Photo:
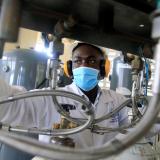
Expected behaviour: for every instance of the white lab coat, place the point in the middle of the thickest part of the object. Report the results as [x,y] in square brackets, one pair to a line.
[40,112]
[105,102]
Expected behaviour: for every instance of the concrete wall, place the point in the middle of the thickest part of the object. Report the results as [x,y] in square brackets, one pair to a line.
[27,39]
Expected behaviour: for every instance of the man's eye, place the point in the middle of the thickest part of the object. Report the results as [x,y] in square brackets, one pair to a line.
[78,61]
[92,61]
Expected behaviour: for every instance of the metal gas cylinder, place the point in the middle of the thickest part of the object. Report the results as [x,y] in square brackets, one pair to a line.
[24,67]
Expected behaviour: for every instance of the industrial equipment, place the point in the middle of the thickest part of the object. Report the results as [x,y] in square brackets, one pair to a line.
[101,22]
[24,67]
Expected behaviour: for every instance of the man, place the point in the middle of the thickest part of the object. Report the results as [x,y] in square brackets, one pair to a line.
[40,111]
[86,68]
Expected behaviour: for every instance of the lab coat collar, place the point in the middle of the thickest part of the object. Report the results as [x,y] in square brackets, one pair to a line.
[80,93]
[76,89]
[106,96]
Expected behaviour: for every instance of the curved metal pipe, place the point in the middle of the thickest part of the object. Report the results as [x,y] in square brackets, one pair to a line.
[89,112]
[98,129]
[113,112]
[94,128]
[114,147]
[80,120]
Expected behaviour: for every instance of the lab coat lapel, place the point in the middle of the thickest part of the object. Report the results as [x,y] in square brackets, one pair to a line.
[104,104]
[78,113]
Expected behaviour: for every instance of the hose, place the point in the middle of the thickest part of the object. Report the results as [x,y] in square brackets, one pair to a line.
[89,111]
[113,147]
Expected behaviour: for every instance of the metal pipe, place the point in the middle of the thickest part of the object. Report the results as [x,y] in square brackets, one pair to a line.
[51,73]
[50,151]
[54,75]
[114,147]
[156,85]
[50,132]
[94,128]
[53,93]
[89,109]
[10,20]
[1,47]
[113,112]
[101,130]
[46,92]
[56,49]
[60,109]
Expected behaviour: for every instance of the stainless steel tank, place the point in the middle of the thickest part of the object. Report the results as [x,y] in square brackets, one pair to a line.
[121,74]
[24,67]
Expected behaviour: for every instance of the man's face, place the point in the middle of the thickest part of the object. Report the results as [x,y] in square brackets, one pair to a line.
[86,56]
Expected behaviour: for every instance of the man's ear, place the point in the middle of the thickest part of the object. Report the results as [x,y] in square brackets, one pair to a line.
[68,69]
[104,68]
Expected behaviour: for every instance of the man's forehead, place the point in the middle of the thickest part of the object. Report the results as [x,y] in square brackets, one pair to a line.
[84,56]
[86,48]
[86,52]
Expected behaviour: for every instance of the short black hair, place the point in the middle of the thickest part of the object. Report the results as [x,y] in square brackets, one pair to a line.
[87,44]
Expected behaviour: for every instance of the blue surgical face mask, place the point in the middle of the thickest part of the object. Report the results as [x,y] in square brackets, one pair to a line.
[85,78]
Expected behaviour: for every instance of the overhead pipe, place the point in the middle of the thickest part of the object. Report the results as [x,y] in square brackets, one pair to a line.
[9,22]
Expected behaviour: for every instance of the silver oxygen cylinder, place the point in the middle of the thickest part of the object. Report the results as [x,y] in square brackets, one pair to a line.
[24,67]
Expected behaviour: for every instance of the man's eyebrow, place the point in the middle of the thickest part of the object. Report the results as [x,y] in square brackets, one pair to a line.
[76,57]
[84,57]
[91,56]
